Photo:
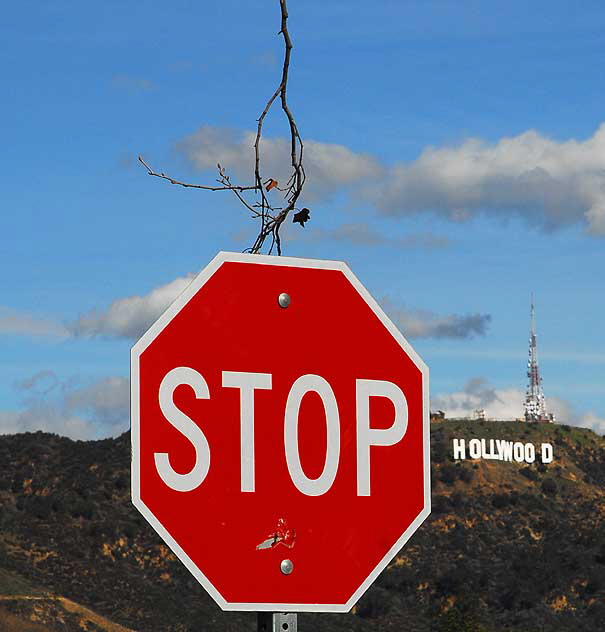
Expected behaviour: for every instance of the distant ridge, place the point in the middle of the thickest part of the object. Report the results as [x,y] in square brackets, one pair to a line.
[509,546]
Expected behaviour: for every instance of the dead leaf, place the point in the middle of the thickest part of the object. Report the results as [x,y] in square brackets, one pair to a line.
[302,216]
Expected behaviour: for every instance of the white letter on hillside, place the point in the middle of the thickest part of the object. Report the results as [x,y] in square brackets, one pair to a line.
[247,383]
[367,436]
[194,478]
[459,449]
[547,453]
[505,448]
[474,448]
[519,452]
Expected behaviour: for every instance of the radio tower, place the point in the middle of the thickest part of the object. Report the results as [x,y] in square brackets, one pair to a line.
[535,405]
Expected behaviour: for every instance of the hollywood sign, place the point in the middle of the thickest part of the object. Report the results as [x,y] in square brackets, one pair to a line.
[501,450]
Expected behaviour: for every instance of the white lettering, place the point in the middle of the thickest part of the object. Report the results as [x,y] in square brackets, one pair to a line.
[247,383]
[367,436]
[191,480]
[519,452]
[500,450]
[505,448]
[303,385]
[459,449]
[484,451]
[474,448]
[547,453]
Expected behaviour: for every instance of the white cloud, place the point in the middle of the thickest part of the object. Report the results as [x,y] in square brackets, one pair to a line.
[507,403]
[549,183]
[130,317]
[47,419]
[126,317]
[9,422]
[420,323]
[328,166]
[591,420]
[107,401]
[565,413]
[478,394]
[20,323]
[80,411]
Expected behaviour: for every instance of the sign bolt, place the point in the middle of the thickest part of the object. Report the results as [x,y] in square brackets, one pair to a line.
[283,300]
[286,567]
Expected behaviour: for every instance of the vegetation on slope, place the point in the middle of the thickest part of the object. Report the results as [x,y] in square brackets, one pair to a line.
[508,546]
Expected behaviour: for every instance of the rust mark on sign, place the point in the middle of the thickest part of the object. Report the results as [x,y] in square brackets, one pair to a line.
[282,535]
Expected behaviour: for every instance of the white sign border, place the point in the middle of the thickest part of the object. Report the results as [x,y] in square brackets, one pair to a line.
[163,321]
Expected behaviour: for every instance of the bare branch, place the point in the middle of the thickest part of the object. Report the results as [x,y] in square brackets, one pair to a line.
[271,217]
[296,181]
[224,178]
[193,186]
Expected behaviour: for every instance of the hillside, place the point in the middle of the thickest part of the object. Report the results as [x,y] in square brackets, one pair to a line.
[508,546]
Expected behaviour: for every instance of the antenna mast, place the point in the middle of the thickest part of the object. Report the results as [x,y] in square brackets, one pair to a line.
[535,404]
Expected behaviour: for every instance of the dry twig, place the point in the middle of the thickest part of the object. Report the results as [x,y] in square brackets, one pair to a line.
[271,217]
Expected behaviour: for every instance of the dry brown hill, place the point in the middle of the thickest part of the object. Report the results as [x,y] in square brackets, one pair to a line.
[508,546]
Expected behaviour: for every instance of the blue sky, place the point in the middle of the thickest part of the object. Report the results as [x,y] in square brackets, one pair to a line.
[456,161]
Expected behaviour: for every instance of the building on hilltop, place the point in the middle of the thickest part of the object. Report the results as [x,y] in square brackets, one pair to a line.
[480,414]
[535,404]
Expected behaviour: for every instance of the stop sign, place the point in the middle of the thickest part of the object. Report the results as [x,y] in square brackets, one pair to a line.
[280,433]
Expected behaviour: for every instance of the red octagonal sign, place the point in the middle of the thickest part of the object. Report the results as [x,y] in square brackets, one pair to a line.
[280,433]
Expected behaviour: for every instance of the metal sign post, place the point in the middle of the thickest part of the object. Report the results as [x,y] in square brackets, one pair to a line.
[277,622]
